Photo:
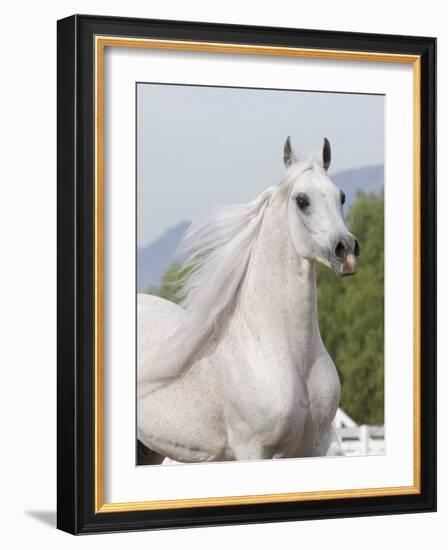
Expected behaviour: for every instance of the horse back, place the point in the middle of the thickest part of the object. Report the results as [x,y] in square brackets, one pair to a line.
[157,319]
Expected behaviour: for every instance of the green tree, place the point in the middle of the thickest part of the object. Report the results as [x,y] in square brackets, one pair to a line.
[170,286]
[351,315]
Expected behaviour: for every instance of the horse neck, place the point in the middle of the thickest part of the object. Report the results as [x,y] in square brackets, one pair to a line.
[278,300]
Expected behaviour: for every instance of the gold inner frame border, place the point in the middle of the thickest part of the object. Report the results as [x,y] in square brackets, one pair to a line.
[100,44]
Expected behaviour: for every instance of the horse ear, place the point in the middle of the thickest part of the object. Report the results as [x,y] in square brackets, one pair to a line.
[326,154]
[288,154]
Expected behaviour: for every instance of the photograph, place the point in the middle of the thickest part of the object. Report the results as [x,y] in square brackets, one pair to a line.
[260,273]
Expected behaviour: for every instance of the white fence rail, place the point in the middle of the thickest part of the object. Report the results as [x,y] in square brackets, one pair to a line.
[359,440]
[362,440]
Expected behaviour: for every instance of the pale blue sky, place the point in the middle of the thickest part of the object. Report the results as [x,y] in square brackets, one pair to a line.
[203,147]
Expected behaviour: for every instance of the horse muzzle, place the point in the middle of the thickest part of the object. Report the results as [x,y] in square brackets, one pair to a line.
[348,267]
[346,258]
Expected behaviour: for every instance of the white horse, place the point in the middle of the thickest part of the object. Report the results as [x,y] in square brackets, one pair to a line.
[239,371]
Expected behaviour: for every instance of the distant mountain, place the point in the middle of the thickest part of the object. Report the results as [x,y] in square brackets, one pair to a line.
[154,259]
[368,178]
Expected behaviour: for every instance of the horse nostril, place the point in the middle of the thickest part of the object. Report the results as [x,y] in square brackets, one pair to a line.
[357,250]
[340,250]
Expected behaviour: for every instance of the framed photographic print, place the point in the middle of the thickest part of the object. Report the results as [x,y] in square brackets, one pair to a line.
[246,274]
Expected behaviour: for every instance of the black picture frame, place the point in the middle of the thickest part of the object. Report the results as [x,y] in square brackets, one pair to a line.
[76,286]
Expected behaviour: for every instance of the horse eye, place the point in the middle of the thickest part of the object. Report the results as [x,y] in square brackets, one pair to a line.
[342,197]
[302,201]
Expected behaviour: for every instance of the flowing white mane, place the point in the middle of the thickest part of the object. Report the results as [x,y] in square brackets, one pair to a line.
[218,249]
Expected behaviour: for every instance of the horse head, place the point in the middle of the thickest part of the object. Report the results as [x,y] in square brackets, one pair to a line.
[315,213]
